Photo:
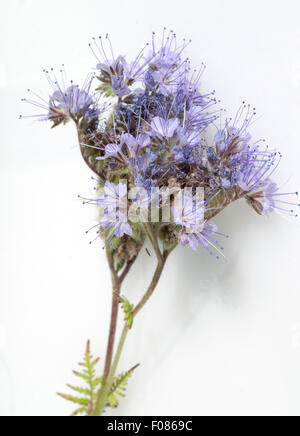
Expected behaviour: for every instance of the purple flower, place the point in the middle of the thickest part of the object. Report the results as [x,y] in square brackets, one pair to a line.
[110,68]
[133,145]
[114,223]
[164,128]
[268,199]
[113,151]
[189,210]
[115,229]
[119,86]
[111,71]
[221,141]
[140,201]
[150,81]
[133,71]
[165,67]
[256,166]
[184,154]
[263,201]
[198,118]
[156,136]
[69,102]
[202,236]
[66,102]
[165,72]
[188,137]
[231,140]
[117,66]
[234,138]
[166,81]
[164,58]
[113,196]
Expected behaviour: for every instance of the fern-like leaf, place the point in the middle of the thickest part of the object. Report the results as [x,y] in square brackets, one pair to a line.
[119,386]
[88,394]
[82,391]
[76,400]
[80,411]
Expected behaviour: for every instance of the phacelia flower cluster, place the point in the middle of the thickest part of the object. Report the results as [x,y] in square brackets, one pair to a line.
[148,125]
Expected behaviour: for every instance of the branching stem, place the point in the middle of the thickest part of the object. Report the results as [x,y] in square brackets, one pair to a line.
[109,379]
[153,238]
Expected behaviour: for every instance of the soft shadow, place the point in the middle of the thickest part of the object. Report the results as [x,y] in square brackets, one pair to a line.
[197,279]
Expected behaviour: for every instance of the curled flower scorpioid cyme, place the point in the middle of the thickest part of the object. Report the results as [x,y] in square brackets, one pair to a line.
[144,127]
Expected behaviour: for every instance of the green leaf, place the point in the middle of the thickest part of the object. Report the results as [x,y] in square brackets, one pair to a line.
[97,382]
[127,308]
[82,391]
[82,375]
[88,393]
[119,387]
[75,400]
[81,411]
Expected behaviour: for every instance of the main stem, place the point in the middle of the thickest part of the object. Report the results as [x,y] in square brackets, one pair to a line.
[116,284]
[106,386]
[108,381]
[114,314]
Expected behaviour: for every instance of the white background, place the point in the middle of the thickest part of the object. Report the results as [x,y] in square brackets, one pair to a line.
[217,338]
